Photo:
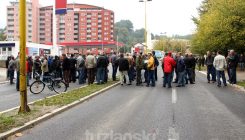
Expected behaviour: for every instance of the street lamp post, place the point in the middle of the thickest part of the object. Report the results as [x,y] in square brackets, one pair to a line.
[22,80]
[145,1]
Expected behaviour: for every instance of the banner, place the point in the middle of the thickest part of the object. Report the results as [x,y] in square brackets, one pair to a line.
[60,7]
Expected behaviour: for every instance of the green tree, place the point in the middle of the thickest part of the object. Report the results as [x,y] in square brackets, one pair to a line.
[2,34]
[220,26]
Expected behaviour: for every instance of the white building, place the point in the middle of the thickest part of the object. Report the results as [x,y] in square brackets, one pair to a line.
[8,48]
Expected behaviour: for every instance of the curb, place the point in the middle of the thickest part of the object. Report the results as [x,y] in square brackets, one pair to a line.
[233,85]
[38,100]
[5,135]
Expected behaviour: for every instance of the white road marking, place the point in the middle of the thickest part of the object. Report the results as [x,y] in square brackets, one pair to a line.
[174,96]
[172,134]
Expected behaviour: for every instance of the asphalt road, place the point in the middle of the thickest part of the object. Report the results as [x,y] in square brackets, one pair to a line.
[10,98]
[197,112]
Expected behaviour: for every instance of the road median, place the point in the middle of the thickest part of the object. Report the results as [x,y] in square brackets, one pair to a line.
[11,122]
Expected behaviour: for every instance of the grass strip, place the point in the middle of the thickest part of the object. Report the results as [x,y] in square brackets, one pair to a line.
[12,119]
[241,83]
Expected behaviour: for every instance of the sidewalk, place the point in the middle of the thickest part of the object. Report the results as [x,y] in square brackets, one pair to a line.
[240,75]
[3,75]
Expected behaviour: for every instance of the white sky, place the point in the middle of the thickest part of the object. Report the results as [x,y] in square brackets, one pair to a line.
[170,16]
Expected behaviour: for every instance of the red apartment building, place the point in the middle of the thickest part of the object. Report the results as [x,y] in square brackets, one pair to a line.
[83,27]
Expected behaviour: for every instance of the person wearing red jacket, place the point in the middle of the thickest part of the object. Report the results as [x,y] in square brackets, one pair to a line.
[168,65]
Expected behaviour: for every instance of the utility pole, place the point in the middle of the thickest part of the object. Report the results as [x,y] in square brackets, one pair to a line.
[22,81]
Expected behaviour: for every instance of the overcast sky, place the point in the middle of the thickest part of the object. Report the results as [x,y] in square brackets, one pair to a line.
[170,16]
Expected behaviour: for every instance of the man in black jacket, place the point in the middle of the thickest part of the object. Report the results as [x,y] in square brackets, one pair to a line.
[123,69]
[66,69]
[156,64]
[210,68]
[73,63]
[232,61]
[101,69]
[189,72]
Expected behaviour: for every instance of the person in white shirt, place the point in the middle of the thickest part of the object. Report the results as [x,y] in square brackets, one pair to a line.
[220,65]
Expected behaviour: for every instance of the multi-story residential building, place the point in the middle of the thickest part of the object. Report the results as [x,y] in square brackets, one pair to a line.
[83,27]
[32,14]
[82,23]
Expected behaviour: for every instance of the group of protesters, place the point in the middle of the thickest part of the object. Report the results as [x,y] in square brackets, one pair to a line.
[218,64]
[138,67]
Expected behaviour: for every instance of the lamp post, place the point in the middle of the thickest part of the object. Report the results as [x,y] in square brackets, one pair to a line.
[145,1]
[22,80]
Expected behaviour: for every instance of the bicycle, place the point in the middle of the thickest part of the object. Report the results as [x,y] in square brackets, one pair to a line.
[54,84]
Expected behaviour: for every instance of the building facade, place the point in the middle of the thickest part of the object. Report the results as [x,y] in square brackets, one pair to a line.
[82,23]
[84,27]
[32,14]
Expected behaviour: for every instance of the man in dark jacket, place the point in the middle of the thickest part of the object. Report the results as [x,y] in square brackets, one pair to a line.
[37,66]
[7,65]
[101,69]
[156,64]
[73,71]
[114,66]
[232,65]
[66,69]
[189,72]
[123,65]
[180,69]
[210,68]
[193,67]
[139,67]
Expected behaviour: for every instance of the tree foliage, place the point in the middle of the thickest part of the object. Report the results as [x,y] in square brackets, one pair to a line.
[2,34]
[220,26]
[170,44]
[126,34]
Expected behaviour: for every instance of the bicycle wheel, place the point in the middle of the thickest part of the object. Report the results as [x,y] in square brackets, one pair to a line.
[59,86]
[37,87]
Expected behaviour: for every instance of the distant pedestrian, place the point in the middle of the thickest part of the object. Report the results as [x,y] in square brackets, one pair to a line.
[90,64]
[101,68]
[123,65]
[66,69]
[30,67]
[73,63]
[151,70]
[220,65]
[180,68]
[37,67]
[232,64]
[81,69]
[45,69]
[114,66]
[156,64]
[210,68]
[11,68]
[139,67]
[168,65]
[7,65]
[242,62]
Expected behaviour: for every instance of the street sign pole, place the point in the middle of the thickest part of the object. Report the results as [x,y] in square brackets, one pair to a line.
[22,80]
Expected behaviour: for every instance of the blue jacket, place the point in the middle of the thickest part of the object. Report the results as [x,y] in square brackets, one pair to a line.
[180,65]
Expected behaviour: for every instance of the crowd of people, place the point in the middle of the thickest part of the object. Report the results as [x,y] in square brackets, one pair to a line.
[217,64]
[138,67]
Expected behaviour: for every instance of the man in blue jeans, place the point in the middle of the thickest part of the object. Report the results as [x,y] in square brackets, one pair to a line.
[220,65]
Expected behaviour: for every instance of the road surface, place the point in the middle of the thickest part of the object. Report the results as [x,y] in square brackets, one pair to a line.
[197,112]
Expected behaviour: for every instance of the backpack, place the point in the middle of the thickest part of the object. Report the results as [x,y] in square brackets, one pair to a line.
[156,61]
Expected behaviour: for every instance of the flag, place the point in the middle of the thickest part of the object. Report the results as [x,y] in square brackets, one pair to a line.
[60,7]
